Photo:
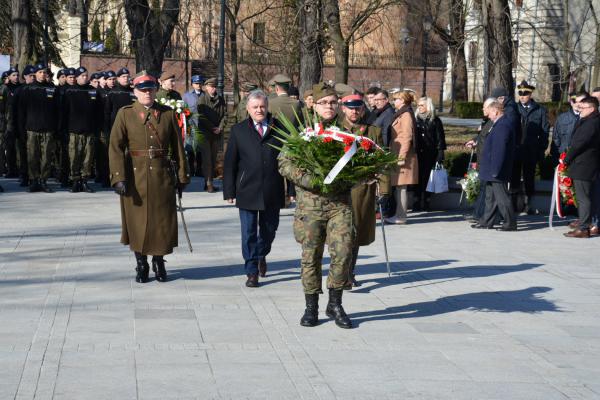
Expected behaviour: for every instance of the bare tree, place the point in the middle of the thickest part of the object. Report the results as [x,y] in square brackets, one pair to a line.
[311,47]
[498,44]
[151,29]
[340,40]
[22,32]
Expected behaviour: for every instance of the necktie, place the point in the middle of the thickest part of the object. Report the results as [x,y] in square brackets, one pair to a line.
[261,132]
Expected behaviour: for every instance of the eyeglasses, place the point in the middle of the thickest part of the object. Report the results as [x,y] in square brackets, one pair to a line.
[328,103]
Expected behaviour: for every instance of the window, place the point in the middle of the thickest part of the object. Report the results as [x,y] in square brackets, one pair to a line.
[258,33]
[473,47]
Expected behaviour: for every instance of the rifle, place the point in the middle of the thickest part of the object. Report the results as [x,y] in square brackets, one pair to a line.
[179,206]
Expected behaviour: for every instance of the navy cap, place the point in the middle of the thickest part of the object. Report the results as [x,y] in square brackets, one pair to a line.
[109,74]
[70,71]
[122,71]
[61,72]
[39,67]
[197,79]
[95,75]
[12,70]
[80,70]
[28,70]
[4,75]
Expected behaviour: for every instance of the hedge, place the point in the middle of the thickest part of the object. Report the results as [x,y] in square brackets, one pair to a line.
[456,163]
[465,109]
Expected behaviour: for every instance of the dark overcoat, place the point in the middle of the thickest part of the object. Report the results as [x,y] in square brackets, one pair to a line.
[499,151]
[251,174]
[583,157]
[148,209]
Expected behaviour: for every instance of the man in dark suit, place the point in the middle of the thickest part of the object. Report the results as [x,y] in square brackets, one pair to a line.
[583,162]
[251,178]
[495,168]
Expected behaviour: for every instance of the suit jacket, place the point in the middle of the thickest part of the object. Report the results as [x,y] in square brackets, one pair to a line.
[251,173]
[583,157]
[499,152]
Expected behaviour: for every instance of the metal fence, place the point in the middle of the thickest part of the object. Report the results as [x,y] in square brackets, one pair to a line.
[378,61]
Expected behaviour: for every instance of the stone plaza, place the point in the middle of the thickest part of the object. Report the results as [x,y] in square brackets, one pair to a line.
[466,314]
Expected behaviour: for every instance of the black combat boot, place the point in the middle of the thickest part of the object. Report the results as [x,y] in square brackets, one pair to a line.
[311,314]
[85,187]
[336,311]
[142,270]
[34,186]
[76,188]
[45,188]
[24,181]
[158,266]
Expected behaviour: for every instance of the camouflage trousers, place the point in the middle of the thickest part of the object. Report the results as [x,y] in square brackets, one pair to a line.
[40,147]
[315,228]
[81,154]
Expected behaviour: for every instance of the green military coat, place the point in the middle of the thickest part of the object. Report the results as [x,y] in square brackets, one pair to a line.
[240,111]
[287,106]
[148,209]
[167,94]
[364,196]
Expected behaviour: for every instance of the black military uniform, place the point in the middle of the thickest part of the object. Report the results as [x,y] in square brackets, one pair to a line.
[81,119]
[8,93]
[38,112]
[62,142]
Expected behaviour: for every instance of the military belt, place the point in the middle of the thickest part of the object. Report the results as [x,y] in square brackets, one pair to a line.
[150,153]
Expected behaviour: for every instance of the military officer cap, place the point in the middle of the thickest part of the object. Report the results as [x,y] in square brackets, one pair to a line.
[525,88]
[122,71]
[70,72]
[12,70]
[248,87]
[166,75]
[143,80]
[353,101]
[28,70]
[197,79]
[61,72]
[4,75]
[95,75]
[321,90]
[281,80]
[80,70]
[307,93]
[109,74]
[211,82]
[38,67]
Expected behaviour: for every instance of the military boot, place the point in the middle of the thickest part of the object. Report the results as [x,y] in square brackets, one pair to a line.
[76,188]
[142,270]
[85,187]
[336,311]
[34,186]
[158,266]
[311,314]
[45,188]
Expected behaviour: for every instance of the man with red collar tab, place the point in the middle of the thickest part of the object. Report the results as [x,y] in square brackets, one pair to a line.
[143,137]
[363,196]
[252,179]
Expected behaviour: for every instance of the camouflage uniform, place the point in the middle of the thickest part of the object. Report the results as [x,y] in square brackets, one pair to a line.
[319,220]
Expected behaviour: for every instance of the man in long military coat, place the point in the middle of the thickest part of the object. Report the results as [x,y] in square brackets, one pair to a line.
[143,137]
[363,196]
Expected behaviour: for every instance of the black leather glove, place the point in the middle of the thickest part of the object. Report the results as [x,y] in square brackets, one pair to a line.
[120,188]
[440,156]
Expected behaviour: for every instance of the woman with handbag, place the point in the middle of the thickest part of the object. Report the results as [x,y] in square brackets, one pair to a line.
[403,143]
[430,144]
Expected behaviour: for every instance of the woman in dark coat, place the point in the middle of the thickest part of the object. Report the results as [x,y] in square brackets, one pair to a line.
[430,145]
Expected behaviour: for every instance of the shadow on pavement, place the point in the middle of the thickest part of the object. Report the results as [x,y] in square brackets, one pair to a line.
[525,301]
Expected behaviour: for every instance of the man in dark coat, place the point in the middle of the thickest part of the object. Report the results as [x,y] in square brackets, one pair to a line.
[8,91]
[535,130]
[583,162]
[382,115]
[145,138]
[252,179]
[565,126]
[495,169]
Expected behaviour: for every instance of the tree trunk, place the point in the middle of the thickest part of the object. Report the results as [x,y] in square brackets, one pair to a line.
[499,45]
[151,32]
[311,51]
[22,33]
[459,73]
[331,11]
[235,75]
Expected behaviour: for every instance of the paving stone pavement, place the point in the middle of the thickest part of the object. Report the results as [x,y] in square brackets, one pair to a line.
[465,315]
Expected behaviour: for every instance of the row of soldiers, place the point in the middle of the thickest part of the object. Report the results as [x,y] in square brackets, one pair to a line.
[62,129]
